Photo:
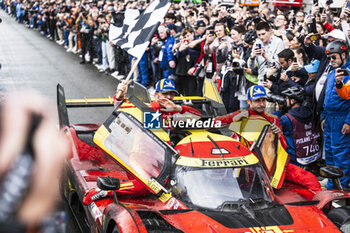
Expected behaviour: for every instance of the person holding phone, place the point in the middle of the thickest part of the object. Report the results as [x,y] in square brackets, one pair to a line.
[220,46]
[343,89]
[336,113]
[265,50]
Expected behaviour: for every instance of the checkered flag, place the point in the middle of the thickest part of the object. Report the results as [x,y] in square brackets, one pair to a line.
[132,29]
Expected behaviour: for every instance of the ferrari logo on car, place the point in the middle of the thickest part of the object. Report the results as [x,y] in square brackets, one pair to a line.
[220,151]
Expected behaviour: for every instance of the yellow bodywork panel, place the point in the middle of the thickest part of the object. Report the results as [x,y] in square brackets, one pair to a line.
[251,129]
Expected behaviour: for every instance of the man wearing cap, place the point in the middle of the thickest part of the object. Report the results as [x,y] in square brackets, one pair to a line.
[257,104]
[336,114]
[309,86]
[199,29]
[164,95]
[172,29]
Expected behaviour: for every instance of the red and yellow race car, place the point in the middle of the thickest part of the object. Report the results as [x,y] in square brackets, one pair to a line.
[122,177]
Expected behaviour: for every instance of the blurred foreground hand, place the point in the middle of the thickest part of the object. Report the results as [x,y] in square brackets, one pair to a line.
[49,145]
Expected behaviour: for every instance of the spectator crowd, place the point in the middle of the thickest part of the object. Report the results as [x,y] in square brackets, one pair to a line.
[293,53]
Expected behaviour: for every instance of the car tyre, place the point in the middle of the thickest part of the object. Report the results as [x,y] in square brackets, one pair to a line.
[341,218]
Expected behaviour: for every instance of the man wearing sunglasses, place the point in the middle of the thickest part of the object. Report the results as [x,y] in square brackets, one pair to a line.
[318,53]
[336,113]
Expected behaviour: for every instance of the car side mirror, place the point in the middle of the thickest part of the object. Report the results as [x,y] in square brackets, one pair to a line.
[108,183]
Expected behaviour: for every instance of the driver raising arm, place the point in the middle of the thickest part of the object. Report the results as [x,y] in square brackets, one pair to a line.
[164,96]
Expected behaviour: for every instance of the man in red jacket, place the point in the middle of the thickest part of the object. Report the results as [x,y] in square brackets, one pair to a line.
[257,104]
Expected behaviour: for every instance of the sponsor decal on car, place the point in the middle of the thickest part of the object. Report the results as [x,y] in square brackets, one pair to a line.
[153,120]
[222,162]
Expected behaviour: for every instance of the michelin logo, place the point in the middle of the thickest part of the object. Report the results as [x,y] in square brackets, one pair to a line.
[258,91]
[152,120]
[168,84]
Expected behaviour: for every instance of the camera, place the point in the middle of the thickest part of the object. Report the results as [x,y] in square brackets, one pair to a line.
[158,46]
[311,27]
[212,33]
[276,98]
[345,72]
[238,66]
[271,64]
[315,37]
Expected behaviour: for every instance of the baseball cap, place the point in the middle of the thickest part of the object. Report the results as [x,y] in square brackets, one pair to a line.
[337,34]
[256,92]
[312,67]
[171,26]
[165,85]
[200,23]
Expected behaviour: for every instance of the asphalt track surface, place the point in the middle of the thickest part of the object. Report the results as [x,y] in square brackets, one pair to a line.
[31,60]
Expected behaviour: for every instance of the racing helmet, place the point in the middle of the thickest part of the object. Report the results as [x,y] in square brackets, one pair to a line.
[250,36]
[336,47]
[294,92]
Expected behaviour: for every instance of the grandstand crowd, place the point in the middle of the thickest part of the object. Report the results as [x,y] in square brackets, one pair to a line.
[292,53]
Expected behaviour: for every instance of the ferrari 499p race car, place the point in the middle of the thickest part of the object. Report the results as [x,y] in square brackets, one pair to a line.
[183,180]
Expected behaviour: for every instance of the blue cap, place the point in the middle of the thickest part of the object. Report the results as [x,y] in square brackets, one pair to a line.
[312,67]
[165,85]
[256,92]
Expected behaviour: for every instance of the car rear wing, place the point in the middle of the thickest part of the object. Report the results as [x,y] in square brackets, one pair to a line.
[134,89]
[63,104]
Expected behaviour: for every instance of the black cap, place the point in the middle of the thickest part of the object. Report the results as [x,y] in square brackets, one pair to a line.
[171,26]
[200,23]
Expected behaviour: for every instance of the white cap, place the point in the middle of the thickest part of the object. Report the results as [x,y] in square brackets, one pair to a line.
[337,34]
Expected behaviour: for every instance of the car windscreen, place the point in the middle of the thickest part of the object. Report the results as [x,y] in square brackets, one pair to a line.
[139,151]
[214,187]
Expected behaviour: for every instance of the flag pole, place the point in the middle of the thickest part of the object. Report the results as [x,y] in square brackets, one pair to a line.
[133,68]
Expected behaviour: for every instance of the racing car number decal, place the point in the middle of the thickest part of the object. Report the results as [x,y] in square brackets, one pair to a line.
[211,163]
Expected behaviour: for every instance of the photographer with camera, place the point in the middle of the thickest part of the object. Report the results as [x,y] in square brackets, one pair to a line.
[278,80]
[299,130]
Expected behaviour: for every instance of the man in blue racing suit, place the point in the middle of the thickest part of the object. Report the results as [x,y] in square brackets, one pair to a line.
[336,114]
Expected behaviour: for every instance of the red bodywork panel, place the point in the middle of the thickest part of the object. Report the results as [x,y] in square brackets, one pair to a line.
[87,163]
